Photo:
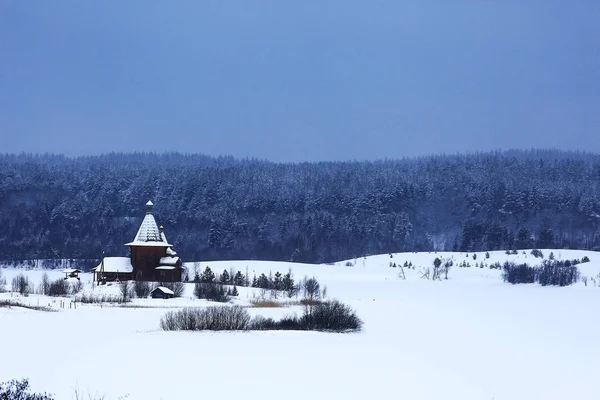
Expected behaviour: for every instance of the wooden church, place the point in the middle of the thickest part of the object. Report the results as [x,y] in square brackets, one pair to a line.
[151,258]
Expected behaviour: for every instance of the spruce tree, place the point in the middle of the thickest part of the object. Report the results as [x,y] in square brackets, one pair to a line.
[225,277]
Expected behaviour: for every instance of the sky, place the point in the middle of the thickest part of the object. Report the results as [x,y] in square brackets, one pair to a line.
[299,80]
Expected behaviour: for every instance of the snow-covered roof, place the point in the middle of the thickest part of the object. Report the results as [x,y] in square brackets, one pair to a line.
[115,264]
[164,290]
[165,267]
[149,234]
[171,252]
[149,203]
[169,260]
[71,270]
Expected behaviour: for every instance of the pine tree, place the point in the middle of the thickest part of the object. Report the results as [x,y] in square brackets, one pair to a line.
[224,277]
[207,276]
[238,279]
[235,292]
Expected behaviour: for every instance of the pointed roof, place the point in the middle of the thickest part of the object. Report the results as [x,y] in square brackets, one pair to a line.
[149,233]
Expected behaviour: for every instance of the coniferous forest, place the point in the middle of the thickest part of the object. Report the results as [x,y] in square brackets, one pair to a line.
[224,208]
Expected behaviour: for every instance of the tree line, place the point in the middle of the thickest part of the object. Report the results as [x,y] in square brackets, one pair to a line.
[223,208]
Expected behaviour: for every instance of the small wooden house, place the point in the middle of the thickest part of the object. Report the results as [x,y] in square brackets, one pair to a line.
[162,292]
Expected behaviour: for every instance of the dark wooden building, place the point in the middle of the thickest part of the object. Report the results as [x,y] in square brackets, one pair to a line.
[152,258]
[162,292]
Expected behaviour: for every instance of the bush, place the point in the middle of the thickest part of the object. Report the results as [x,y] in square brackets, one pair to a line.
[210,291]
[521,273]
[58,288]
[234,318]
[142,289]
[537,253]
[330,316]
[19,390]
[333,316]
[585,259]
[21,285]
[178,288]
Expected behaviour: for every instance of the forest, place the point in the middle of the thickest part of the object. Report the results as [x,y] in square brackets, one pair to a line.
[53,206]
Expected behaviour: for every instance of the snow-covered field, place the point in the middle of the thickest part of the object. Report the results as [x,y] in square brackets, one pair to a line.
[469,337]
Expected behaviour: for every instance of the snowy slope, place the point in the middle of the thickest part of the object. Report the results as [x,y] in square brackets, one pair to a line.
[470,337]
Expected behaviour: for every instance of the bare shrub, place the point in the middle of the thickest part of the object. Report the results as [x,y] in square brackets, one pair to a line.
[44,284]
[312,289]
[333,316]
[234,318]
[125,290]
[584,279]
[142,289]
[2,282]
[21,285]
[58,288]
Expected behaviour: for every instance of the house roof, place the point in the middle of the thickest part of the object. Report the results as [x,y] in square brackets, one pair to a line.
[169,260]
[115,264]
[71,270]
[149,234]
[164,290]
[165,267]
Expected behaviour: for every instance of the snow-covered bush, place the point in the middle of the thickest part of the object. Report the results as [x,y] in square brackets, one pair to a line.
[585,259]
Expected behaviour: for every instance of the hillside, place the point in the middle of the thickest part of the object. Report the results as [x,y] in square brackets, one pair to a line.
[470,337]
[57,207]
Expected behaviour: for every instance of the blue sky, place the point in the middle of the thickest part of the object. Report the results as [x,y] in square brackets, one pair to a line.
[293,81]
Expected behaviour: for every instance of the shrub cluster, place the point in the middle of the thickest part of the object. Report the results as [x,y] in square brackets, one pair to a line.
[224,318]
[551,272]
[58,288]
[142,289]
[330,316]
[518,273]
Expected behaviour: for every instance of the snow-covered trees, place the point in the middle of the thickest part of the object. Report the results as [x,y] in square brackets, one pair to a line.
[223,208]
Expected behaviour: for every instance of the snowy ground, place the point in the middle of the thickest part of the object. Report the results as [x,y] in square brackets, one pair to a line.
[471,337]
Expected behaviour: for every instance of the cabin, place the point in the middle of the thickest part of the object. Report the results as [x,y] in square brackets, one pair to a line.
[113,269]
[151,257]
[162,292]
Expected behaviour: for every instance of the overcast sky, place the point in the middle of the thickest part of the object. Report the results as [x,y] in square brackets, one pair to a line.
[299,80]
